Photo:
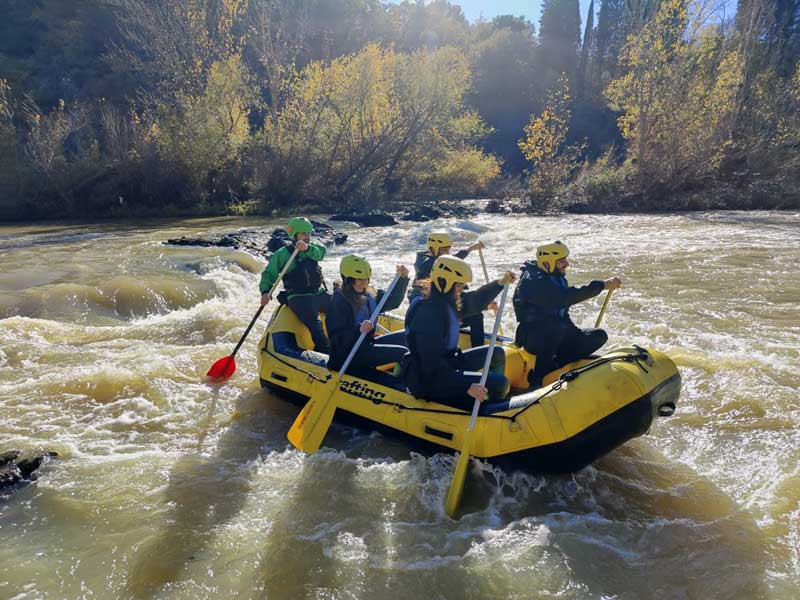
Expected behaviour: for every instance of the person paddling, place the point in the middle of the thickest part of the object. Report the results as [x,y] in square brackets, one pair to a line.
[541,303]
[349,315]
[435,368]
[305,288]
[440,244]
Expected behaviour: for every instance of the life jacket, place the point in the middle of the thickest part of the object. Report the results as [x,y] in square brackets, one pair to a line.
[451,330]
[304,278]
[423,265]
[527,312]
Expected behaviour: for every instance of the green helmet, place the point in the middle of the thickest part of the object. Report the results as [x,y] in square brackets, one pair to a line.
[355,266]
[547,255]
[299,225]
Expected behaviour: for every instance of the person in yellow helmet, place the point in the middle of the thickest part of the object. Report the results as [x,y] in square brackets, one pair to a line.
[348,316]
[435,368]
[305,288]
[439,243]
[541,303]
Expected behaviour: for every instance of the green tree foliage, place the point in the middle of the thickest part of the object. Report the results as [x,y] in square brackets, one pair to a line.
[609,37]
[559,40]
[586,44]
[505,88]
[170,106]
[430,25]
[369,125]
[203,133]
[552,161]
[677,98]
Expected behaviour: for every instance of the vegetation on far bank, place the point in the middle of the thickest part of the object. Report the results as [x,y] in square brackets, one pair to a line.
[179,107]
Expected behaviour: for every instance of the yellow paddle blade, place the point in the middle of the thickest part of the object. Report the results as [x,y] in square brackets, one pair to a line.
[459,476]
[311,425]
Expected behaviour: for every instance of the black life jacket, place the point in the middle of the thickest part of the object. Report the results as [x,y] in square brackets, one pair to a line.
[527,312]
[304,278]
[415,373]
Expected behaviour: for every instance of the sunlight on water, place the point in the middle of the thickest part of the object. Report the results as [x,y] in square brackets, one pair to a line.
[158,491]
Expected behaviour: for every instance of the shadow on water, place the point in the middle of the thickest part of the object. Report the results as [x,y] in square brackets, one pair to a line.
[291,565]
[350,523]
[203,493]
[636,526]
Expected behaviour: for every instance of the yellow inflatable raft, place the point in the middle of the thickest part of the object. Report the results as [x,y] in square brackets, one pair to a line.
[584,411]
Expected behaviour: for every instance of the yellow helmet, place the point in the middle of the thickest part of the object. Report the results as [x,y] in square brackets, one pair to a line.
[448,271]
[547,255]
[438,240]
[355,266]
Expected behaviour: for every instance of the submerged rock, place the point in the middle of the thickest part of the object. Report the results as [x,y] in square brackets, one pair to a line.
[15,470]
[261,242]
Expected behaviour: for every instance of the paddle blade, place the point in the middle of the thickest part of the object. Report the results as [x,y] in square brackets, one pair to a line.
[222,369]
[457,485]
[311,425]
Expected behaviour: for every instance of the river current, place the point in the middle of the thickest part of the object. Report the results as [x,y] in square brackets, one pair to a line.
[160,492]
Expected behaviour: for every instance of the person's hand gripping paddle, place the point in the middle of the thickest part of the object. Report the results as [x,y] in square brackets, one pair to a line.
[460,472]
[224,367]
[311,425]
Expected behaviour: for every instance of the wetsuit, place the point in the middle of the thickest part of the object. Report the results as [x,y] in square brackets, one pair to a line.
[435,368]
[473,320]
[304,285]
[541,303]
[344,320]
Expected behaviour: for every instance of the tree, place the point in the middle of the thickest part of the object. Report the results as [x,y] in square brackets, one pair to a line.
[505,89]
[559,40]
[677,98]
[586,43]
[371,125]
[609,38]
[544,146]
[202,133]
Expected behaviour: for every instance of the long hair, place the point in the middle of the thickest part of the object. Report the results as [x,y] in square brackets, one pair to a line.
[428,291]
[356,299]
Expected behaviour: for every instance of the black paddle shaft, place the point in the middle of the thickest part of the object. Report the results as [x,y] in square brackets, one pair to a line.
[247,331]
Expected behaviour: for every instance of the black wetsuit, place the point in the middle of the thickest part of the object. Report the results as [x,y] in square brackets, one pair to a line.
[435,369]
[473,320]
[541,303]
[343,322]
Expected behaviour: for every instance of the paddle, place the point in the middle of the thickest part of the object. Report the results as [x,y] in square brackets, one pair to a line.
[311,425]
[224,367]
[460,472]
[603,308]
[486,276]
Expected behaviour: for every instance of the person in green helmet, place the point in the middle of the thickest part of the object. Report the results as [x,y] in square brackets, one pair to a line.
[306,292]
[351,307]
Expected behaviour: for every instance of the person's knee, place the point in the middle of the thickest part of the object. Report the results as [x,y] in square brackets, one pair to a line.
[498,362]
[598,338]
[498,387]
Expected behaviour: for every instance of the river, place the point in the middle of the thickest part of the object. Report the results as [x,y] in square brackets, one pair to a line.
[158,492]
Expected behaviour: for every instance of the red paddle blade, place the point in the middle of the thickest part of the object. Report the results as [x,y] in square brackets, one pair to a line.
[222,369]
